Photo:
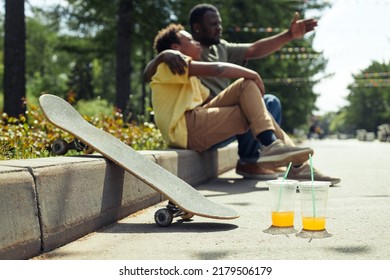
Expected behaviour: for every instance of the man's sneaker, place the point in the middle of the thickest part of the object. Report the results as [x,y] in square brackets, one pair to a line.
[255,171]
[279,154]
[303,173]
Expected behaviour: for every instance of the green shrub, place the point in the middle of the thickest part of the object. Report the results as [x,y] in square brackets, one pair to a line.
[94,107]
[31,136]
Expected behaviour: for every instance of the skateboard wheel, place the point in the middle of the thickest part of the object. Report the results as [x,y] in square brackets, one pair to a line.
[59,147]
[163,217]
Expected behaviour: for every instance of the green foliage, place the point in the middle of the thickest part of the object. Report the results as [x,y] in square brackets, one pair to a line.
[94,107]
[80,80]
[46,65]
[95,17]
[288,73]
[338,123]
[25,138]
[31,136]
[369,98]
[292,80]
[71,49]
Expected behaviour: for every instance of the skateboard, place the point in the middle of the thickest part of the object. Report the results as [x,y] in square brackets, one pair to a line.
[184,200]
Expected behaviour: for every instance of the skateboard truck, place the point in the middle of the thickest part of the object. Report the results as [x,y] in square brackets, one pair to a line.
[164,216]
[61,147]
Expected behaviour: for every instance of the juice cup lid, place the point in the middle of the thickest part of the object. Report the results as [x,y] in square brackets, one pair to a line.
[282,182]
[314,184]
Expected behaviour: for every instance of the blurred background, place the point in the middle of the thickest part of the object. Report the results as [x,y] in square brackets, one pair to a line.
[332,83]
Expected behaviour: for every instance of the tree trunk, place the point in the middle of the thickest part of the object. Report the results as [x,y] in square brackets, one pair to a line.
[123,56]
[14,58]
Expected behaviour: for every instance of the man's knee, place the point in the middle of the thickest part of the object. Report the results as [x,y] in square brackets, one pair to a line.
[274,106]
[272,100]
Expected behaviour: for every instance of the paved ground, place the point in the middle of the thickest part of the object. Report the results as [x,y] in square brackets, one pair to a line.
[357,218]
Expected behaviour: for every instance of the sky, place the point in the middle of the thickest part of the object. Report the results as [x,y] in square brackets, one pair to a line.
[351,34]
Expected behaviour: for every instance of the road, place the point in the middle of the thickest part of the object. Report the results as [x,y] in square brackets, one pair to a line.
[357,218]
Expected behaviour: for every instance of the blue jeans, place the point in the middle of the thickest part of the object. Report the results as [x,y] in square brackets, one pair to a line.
[248,146]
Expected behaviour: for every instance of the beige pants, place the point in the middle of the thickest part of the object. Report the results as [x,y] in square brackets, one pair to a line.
[235,110]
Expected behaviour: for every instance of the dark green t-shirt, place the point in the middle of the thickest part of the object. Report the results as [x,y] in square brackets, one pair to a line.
[223,52]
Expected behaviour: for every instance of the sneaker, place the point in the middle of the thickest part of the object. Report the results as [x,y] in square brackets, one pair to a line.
[279,154]
[303,173]
[281,170]
[255,171]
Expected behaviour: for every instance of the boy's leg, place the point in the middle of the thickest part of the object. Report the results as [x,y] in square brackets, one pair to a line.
[275,152]
[205,126]
[216,112]
[206,130]
[247,95]
[238,106]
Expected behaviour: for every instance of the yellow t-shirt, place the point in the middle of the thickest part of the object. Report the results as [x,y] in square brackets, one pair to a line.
[172,96]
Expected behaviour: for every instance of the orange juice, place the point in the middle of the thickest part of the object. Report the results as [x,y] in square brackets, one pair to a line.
[313,223]
[283,219]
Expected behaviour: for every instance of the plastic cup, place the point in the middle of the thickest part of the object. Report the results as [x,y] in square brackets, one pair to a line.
[282,196]
[314,199]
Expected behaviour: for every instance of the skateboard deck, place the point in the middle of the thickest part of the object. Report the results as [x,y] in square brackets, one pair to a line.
[189,201]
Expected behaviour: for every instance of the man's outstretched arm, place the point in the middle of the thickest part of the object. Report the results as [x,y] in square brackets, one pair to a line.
[266,46]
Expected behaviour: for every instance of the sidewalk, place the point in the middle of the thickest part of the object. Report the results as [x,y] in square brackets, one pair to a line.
[357,217]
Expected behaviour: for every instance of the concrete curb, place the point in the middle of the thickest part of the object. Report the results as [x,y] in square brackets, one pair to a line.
[48,202]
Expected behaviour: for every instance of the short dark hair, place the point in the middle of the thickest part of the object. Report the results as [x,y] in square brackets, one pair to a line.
[197,12]
[166,37]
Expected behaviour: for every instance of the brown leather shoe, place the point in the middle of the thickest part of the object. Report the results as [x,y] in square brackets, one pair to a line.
[255,171]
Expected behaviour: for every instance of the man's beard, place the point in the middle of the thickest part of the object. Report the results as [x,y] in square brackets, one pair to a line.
[211,41]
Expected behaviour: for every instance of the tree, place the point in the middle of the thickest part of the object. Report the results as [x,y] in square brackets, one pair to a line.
[288,73]
[136,23]
[88,43]
[14,58]
[123,55]
[46,64]
[117,37]
[369,98]
[80,80]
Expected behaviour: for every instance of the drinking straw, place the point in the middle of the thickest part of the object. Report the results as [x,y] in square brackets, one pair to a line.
[313,197]
[280,188]
[288,169]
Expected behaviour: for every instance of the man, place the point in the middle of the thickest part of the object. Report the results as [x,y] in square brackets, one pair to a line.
[206,28]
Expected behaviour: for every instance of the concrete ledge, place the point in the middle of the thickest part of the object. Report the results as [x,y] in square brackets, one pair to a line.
[48,202]
[19,226]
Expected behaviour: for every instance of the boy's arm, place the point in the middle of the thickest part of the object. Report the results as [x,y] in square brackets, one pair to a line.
[226,70]
[174,60]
